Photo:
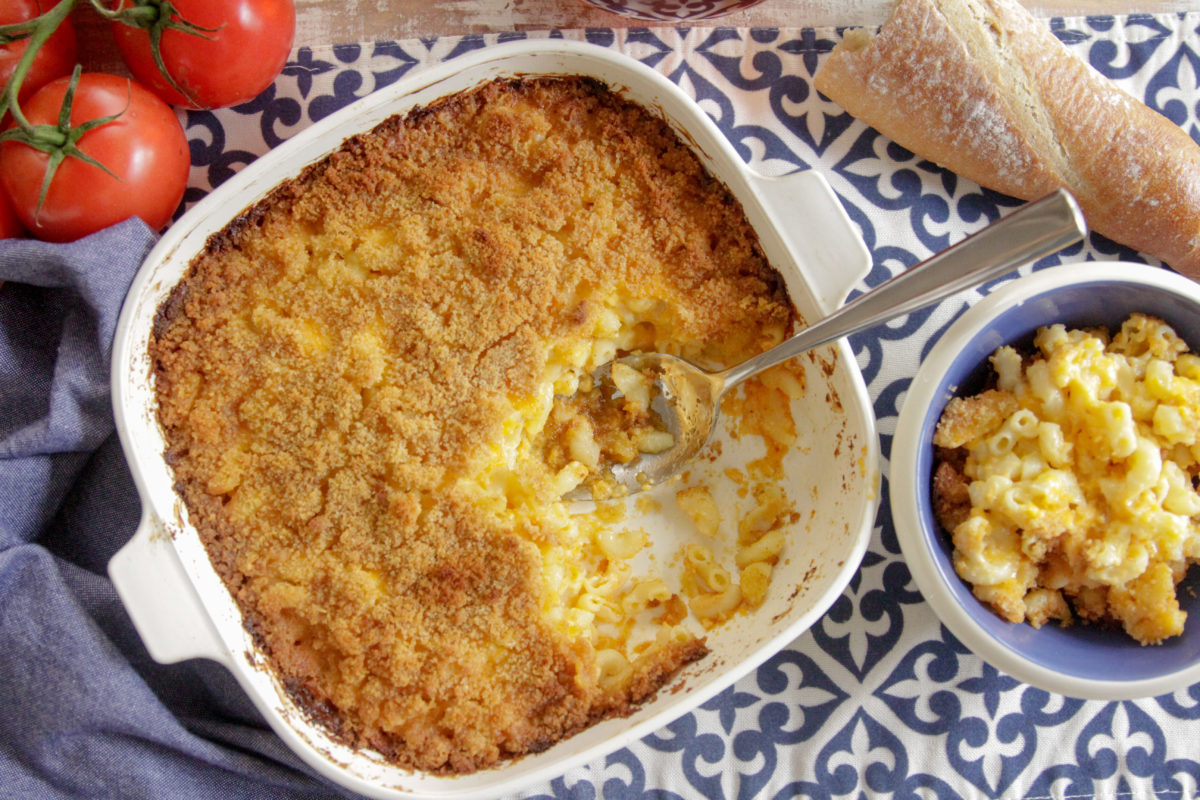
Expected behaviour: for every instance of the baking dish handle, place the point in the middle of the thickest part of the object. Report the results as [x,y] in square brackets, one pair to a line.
[160,599]
[809,217]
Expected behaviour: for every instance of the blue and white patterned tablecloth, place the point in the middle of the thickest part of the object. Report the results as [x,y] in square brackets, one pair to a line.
[878,700]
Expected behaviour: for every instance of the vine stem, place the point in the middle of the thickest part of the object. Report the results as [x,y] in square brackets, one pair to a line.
[39,29]
[156,17]
[60,141]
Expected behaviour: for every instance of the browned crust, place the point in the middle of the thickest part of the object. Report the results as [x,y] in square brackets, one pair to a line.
[347,346]
[950,490]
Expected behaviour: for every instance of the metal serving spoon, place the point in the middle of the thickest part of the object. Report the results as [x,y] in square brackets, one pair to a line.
[687,397]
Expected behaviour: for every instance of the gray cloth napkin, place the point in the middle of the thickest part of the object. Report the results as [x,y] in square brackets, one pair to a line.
[84,711]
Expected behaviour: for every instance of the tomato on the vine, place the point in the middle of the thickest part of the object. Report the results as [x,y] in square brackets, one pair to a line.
[243,46]
[54,59]
[10,226]
[144,147]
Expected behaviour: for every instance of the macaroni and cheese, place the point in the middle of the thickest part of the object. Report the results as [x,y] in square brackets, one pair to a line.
[1070,487]
[357,382]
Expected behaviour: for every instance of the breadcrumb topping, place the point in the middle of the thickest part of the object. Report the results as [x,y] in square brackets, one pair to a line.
[339,374]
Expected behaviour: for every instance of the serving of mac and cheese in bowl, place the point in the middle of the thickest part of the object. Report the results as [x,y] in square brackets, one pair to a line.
[1044,479]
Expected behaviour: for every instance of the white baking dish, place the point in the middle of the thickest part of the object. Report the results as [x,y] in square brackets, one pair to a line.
[181,608]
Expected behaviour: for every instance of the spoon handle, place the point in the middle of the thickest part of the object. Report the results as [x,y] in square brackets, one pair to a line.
[1029,233]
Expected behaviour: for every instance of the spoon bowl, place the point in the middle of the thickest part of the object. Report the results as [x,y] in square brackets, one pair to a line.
[687,398]
[687,401]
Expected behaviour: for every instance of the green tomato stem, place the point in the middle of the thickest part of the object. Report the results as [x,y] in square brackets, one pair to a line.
[140,14]
[40,30]
[60,140]
[155,17]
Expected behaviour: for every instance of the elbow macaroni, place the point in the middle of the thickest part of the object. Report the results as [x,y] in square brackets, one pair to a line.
[761,541]
[1086,486]
[717,577]
[701,559]
[766,549]
[714,606]
[576,432]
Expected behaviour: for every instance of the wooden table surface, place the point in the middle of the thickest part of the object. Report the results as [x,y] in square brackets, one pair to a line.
[325,21]
[320,22]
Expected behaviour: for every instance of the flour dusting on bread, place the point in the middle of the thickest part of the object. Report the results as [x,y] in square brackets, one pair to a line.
[987,91]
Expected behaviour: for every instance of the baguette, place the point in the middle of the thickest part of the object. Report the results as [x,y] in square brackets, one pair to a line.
[985,90]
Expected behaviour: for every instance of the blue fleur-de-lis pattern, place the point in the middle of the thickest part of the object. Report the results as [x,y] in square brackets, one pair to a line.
[878,699]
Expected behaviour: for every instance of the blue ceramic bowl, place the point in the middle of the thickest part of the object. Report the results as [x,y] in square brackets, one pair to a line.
[1080,660]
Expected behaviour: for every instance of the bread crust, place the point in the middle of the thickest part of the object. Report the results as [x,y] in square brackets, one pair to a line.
[987,91]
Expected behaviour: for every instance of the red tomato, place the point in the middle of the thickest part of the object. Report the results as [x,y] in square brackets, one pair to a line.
[10,226]
[234,64]
[145,148]
[54,59]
